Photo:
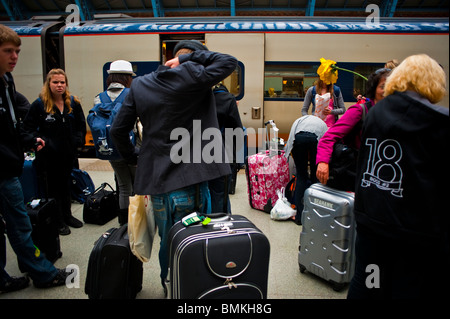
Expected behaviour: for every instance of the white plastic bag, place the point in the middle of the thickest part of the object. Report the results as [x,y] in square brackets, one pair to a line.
[141,226]
[322,102]
[282,209]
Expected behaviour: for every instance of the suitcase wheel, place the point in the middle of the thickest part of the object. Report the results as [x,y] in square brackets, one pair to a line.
[338,286]
[302,268]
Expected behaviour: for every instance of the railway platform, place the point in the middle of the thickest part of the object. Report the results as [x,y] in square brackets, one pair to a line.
[285,279]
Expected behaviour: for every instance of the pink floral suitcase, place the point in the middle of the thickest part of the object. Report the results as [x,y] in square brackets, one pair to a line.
[265,174]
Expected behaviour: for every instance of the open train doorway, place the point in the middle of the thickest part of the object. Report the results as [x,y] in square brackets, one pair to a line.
[52,46]
[169,41]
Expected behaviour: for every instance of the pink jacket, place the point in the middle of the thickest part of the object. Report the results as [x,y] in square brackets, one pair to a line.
[346,128]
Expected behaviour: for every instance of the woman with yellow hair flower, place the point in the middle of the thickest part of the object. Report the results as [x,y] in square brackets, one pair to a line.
[325,89]
[326,72]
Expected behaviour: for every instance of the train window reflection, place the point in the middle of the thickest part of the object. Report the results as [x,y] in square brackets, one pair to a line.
[234,82]
[291,80]
[359,84]
[288,80]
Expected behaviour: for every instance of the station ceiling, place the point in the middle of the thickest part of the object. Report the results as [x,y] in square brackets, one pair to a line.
[95,9]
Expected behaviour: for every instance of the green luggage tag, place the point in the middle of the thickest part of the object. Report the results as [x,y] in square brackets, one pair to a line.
[206,221]
[191,219]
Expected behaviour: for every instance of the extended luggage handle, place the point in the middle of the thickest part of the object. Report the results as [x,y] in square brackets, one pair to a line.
[272,145]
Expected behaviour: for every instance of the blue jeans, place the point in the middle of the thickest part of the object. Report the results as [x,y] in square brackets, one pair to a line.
[217,192]
[170,208]
[18,229]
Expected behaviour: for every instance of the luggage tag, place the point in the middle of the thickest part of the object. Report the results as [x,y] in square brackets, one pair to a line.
[194,218]
[35,203]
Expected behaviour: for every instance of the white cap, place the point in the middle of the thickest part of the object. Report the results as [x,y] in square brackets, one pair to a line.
[121,66]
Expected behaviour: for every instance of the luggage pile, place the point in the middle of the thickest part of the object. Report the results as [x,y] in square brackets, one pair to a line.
[267,172]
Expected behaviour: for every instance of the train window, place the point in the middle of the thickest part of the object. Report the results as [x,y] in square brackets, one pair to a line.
[234,82]
[359,84]
[288,80]
[291,80]
[139,68]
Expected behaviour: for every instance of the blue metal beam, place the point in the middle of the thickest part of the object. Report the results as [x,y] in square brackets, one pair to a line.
[13,10]
[232,8]
[388,8]
[158,8]
[310,8]
[86,11]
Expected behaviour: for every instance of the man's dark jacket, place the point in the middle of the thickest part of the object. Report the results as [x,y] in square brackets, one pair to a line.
[167,102]
[11,153]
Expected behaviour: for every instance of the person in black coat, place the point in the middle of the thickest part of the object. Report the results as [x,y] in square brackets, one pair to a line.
[58,119]
[229,118]
[401,197]
[175,105]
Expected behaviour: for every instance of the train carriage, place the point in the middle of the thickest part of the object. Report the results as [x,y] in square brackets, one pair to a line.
[279,55]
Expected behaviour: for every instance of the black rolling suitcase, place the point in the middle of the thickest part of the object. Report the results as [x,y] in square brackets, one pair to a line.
[226,259]
[45,233]
[42,212]
[113,271]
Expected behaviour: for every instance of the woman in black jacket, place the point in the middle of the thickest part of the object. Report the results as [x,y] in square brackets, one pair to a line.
[57,118]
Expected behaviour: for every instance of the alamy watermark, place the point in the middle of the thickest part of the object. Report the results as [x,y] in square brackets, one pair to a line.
[212,145]
[73,279]
[73,19]
[373,18]
[373,279]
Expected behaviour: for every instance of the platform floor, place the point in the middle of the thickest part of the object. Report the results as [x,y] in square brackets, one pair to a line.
[285,279]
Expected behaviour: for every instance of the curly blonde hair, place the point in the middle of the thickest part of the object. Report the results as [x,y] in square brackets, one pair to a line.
[46,94]
[418,73]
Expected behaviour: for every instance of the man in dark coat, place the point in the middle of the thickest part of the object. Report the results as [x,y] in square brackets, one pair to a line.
[175,101]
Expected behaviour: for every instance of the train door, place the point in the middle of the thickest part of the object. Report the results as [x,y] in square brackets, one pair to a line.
[248,48]
[168,42]
[52,46]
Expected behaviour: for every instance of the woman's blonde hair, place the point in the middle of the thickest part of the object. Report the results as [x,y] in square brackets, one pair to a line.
[418,73]
[46,94]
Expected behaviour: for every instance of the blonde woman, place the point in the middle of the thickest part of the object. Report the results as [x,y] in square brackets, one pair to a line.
[56,125]
[402,192]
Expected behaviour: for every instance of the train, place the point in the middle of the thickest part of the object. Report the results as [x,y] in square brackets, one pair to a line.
[278,56]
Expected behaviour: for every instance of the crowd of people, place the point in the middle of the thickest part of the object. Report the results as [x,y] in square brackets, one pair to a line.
[187,88]
[398,131]
[397,128]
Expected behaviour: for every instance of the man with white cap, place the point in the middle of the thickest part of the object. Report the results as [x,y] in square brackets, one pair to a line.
[120,77]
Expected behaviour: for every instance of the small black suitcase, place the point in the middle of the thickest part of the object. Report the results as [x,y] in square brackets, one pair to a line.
[45,233]
[225,259]
[113,271]
[101,206]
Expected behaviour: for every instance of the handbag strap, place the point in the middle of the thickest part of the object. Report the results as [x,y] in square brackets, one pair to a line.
[364,111]
[103,186]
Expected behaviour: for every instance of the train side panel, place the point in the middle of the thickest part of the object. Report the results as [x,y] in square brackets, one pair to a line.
[28,71]
[86,55]
[249,49]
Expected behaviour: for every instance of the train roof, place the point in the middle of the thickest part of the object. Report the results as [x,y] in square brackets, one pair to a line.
[242,24]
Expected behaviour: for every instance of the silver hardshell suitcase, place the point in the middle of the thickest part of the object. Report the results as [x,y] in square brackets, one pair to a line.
[328,235]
